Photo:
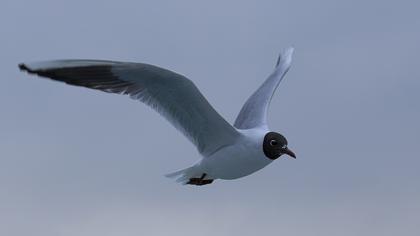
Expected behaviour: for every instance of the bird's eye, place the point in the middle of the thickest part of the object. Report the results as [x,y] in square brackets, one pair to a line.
[273,142]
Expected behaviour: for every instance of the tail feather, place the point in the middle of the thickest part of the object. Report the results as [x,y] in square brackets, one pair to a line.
[175,174]
[184,175]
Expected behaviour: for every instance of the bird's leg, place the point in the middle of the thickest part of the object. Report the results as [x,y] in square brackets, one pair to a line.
[202,176]
[200,181]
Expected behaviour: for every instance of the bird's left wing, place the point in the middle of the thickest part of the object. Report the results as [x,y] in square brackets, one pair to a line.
[254,112]
[172,95]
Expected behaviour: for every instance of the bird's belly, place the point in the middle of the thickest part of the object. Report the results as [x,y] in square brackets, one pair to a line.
[233,163]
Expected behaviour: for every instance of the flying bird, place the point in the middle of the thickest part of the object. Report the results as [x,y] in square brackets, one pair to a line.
[228,152]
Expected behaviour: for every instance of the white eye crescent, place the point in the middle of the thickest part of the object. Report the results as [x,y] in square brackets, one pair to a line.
[273,142]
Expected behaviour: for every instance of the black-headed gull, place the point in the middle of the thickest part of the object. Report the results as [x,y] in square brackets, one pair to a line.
[228,152]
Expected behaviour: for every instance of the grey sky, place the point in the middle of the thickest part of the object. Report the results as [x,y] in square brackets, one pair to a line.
[79,162]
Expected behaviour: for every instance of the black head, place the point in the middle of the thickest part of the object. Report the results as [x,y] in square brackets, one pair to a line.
[275,145]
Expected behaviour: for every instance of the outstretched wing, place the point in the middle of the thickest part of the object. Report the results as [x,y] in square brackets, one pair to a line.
[254,112]
[172,95]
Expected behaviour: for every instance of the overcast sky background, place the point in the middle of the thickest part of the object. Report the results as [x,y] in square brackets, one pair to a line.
[75,161]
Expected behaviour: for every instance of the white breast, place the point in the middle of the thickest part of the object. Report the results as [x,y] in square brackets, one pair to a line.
[238,160]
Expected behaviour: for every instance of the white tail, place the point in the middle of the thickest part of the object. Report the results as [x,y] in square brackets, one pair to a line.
[183,176]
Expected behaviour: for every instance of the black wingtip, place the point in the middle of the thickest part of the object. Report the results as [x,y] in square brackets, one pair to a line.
[23,67]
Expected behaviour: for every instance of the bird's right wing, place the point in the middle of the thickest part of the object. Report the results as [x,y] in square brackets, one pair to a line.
[254,112]
[172,95]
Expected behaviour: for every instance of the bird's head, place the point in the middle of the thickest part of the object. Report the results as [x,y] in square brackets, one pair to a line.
[275,145]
